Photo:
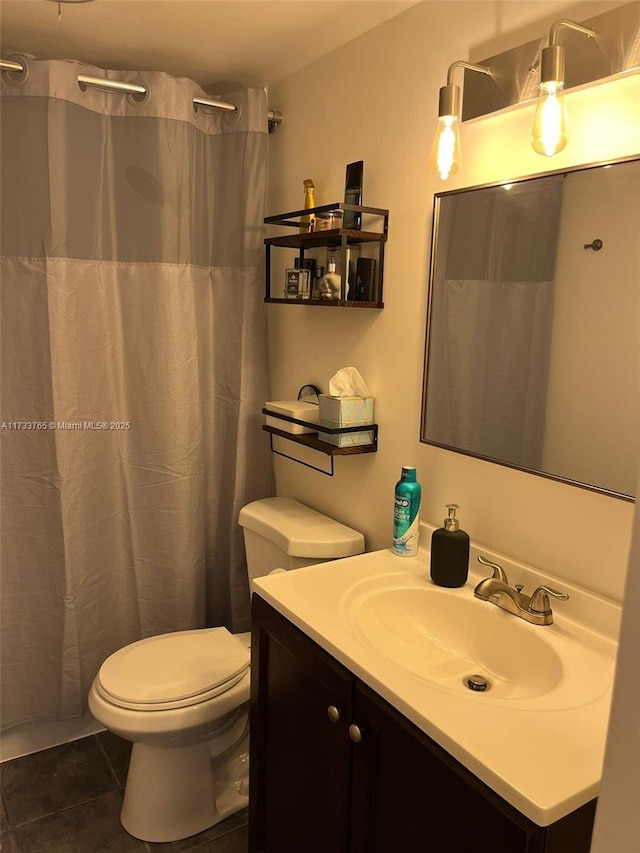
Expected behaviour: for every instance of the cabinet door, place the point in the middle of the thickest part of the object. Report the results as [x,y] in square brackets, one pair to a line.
[409,795]
[300,759]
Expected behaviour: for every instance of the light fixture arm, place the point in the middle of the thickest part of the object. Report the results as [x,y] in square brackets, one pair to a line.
[563,22]
[449,101]
[460,63]
[552,59]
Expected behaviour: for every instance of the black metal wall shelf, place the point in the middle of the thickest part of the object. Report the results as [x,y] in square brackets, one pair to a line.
[342,237]
[311,439]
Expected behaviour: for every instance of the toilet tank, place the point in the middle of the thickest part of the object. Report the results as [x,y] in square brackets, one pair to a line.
[281,533]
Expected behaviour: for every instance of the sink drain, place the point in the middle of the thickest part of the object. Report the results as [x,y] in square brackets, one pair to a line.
[477,682]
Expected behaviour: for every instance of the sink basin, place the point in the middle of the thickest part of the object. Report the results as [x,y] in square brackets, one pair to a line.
[444,636]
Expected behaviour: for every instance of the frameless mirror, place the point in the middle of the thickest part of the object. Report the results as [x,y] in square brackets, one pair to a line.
[533,353]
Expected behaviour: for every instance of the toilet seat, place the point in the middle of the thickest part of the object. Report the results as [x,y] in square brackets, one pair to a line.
[173,670]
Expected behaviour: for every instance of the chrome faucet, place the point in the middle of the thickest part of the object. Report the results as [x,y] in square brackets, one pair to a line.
[535,609]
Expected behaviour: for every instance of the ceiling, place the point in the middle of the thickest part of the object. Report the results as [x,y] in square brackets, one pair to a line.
[253,42]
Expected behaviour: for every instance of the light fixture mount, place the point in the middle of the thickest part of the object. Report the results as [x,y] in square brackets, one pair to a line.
[552,64]
[552,59]
[615,51]
[449,99]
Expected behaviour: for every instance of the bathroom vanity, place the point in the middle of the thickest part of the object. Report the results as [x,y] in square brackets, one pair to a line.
[358,751]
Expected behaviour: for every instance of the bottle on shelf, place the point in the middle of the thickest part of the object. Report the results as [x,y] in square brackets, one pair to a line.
[307,221]
[330,282]
[297,281]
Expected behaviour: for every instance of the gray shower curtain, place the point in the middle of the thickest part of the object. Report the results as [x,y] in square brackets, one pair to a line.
[133,371]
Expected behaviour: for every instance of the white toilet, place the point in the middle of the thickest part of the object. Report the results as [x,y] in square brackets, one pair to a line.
[183,698]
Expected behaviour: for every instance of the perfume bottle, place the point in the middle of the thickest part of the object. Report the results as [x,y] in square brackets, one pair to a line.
[330,283]
[297,282]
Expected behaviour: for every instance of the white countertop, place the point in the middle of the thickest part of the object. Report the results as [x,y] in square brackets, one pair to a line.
[543,755]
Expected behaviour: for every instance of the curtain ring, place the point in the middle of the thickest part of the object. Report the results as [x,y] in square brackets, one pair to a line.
[232,117]
[137,99]
[16,78]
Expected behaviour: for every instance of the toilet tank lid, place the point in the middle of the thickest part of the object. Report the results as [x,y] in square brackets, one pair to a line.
[300,531]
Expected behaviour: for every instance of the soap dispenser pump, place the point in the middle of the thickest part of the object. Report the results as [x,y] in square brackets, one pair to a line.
[450,552]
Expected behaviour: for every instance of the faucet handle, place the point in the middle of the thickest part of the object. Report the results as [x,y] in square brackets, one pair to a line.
[539,601]
[498,572]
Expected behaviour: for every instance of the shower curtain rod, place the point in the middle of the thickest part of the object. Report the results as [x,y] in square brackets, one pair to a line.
[274,117]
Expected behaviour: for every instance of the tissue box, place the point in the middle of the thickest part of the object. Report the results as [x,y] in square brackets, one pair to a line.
[293,409]
[338,412]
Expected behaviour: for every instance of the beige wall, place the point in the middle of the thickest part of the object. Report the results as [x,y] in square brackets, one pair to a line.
[617,826]
[376,99]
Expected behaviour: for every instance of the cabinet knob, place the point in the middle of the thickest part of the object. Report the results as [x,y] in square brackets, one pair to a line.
[334,713]
[355,733]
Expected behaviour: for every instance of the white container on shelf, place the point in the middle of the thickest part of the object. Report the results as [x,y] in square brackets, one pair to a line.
[293,409]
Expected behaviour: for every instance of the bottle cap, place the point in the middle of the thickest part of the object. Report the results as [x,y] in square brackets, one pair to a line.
[451,522]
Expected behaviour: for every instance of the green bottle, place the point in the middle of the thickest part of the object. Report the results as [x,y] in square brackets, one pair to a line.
[406,513]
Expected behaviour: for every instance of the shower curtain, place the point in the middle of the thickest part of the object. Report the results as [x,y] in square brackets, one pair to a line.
[133,370]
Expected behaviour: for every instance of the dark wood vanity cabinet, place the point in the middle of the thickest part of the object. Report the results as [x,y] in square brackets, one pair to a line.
[409,794]
[336,769]
[300,760]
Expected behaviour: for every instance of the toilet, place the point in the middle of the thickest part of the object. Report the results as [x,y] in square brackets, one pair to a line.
[182,698]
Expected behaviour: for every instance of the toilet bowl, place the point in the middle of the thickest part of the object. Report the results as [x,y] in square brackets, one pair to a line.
[182,698]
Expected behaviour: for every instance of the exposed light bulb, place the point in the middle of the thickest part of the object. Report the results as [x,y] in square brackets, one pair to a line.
[549,132]
[445,157]
[446,152]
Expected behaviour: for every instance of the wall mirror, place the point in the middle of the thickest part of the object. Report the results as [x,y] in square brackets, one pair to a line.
[533,334]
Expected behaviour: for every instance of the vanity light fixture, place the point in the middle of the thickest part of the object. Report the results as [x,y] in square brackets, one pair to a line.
[549,132]
[445,156]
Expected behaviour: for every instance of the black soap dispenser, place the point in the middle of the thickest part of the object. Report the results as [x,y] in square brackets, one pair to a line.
[450,552]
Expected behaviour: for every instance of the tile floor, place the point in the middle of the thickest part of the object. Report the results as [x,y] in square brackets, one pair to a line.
[67,800]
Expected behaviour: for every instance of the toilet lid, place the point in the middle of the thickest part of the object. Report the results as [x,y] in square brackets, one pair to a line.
[173,670]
